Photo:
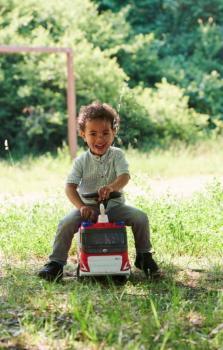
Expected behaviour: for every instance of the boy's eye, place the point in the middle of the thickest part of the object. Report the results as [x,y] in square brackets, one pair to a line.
[105,133]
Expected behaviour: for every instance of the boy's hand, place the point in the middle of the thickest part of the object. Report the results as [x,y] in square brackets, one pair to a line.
[104,192]
[86,212]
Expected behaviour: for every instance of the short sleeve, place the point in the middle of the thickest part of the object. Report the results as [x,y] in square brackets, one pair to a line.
[121,164]
[76,173]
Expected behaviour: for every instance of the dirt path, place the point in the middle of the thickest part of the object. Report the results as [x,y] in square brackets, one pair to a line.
[179,186]
[183,186]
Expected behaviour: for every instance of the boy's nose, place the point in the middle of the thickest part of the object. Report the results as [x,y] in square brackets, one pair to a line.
[100,136]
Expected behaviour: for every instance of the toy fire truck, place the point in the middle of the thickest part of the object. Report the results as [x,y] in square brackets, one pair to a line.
[102,247]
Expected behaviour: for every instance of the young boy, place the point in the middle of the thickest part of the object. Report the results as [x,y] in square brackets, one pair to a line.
[103,169]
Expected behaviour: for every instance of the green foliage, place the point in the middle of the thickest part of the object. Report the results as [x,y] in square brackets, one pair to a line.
[165,16]
[140,59]
[167,107]
[33,88]
[108,30]
[186,48]
[137,127]
[115,43]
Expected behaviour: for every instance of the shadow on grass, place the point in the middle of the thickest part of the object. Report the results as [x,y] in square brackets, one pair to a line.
[27,300]
[19,278]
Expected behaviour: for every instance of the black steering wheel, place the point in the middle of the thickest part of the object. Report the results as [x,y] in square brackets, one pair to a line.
[94,195]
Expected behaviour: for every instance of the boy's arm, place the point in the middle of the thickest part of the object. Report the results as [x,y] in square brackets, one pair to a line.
[117,185]
[120,182]
[73,195]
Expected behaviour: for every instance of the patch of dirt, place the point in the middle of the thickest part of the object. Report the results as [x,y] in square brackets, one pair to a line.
[184,186]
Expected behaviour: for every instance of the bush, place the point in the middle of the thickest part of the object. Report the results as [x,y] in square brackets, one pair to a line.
[167,108]
[186,48]
[108,52]
[33,87]
[140,59]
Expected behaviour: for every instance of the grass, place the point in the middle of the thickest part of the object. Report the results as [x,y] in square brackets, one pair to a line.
[184,310]
[204,158]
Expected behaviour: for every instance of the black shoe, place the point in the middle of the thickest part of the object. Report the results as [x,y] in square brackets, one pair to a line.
[52,271]
[145,262]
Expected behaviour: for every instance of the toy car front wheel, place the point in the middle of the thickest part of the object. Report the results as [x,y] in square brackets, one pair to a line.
[120,278]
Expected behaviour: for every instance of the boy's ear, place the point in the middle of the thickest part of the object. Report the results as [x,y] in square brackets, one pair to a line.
[82,134]
[114,131]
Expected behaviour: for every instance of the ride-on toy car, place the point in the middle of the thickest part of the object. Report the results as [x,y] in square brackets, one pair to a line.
[102,247]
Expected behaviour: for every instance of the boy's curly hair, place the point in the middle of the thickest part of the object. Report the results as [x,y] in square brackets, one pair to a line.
[97,110]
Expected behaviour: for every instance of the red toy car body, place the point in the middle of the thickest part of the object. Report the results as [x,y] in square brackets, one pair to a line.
[102,249]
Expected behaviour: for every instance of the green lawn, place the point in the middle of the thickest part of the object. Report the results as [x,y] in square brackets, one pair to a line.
[184,310]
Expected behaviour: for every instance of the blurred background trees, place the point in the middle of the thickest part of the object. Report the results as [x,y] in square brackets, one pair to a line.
[159,62]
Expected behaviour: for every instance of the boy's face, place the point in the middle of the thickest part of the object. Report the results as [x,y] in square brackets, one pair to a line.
[99,136]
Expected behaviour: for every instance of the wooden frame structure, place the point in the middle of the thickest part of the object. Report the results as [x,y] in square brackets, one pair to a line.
[71,101]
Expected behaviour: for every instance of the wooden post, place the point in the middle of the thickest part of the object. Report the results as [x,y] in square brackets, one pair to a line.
[71,106]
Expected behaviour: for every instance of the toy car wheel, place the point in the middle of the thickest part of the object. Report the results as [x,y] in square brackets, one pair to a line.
[120,279]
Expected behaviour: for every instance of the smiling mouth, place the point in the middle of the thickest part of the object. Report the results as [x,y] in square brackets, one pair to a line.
[100,146]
